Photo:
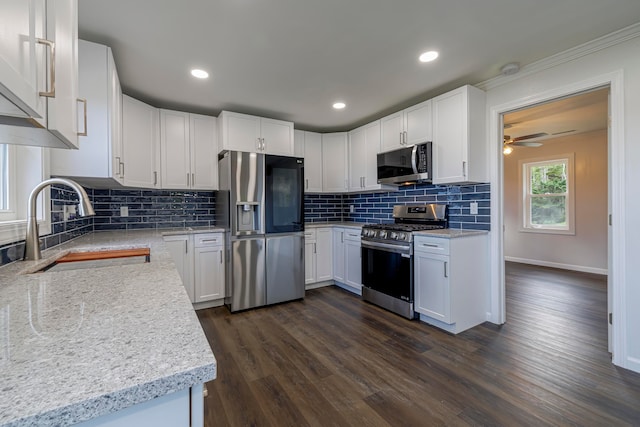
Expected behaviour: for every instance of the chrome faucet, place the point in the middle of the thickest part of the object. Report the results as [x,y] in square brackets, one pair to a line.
[32,242]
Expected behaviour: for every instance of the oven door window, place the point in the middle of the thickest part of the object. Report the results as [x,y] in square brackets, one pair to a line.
[388,272]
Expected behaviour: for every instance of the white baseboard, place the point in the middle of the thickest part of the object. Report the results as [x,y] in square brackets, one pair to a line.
[581,268]
[318,285]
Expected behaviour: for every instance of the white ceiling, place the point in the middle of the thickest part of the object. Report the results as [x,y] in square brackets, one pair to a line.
[572,115]
[291,59]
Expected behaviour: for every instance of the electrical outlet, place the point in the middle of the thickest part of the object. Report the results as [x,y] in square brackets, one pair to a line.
[473,207]
[124,210]
[352,209]
[69,212]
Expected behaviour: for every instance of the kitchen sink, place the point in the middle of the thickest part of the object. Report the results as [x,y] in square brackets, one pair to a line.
[98,259]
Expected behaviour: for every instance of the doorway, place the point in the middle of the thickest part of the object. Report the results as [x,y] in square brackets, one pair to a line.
[556,201]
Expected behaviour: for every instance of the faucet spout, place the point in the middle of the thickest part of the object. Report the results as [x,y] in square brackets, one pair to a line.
[32,242]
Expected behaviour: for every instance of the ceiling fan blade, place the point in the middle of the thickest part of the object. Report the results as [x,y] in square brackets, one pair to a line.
[526,144]
[532,136]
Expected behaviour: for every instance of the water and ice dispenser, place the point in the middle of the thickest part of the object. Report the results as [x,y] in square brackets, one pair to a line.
[247,217]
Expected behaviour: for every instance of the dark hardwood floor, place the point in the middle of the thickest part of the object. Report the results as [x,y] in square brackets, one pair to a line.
[333,360]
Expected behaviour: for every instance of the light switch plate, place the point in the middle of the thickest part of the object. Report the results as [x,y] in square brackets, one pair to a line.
[124,210]
[473,207]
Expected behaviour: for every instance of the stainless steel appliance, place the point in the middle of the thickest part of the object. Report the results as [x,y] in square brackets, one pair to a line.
[405,165]
[387,256]
[260,204]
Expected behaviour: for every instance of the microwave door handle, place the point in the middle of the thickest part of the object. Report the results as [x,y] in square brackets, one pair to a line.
[414,159]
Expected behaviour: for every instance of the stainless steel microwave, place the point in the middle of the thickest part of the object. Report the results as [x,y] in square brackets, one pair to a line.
[405,165]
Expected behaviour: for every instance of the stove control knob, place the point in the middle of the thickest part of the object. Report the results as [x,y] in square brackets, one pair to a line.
[394,235]
[382,234]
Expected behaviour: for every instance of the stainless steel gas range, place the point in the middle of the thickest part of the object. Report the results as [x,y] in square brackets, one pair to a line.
[387,256]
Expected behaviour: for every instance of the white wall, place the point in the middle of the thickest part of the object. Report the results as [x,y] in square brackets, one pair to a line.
[621,64]
[586,250]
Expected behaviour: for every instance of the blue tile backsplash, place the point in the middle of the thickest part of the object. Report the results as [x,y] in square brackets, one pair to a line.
[378,207]
[151,209]
[147,209]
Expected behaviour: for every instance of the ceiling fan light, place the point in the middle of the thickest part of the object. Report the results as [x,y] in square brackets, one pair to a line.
[507,149]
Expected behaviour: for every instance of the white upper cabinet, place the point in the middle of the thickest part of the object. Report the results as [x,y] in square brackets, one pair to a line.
[459,140]
[310,144]
[298,143]
[203,136]
[334,162]
[100,152]
[242,132]
[364,145]
[62,107]
[140,163]
[22,73]
[406,127]
[188,151]
[39,69]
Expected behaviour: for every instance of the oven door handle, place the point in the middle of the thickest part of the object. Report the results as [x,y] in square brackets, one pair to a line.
[404,250]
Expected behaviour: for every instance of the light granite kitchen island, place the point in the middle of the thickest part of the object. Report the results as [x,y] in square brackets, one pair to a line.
[80,344]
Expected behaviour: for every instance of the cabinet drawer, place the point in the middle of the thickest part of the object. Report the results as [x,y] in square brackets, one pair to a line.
[310,235]
[206,240]
[352,234]
[432,245]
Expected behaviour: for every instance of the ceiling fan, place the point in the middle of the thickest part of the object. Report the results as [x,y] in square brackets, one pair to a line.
[521,141]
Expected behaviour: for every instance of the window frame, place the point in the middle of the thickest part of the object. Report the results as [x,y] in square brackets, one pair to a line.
[28,166]
[524,167]
[8,214]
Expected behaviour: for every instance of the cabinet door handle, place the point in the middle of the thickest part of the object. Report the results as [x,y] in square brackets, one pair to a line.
[306,183]
[258,144]
[400,135]
[315,249]
[264,145]
[84,103]
[446,274]
[430,245]
[193,179]
[187,179]
[122,165]
[342,237]
[52,69]
[119,163]
[404,136]
[220,256]
[464,168]
[155,178]
[186,247]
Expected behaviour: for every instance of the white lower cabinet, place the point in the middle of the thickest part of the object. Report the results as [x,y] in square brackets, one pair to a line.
[209,267]
[200,261]
[184,408]
[310,250]
[318,263]
[353,261]
[451,280]
[347,269]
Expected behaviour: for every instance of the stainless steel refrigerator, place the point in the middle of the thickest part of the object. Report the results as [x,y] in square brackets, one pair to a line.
[260,204]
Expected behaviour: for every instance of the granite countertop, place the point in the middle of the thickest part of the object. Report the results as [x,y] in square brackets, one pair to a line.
[334,224]
[450,233]
[78,344]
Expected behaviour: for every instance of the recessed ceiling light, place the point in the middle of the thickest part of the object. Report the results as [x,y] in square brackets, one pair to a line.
[428,56]
[339,105]
[200,74]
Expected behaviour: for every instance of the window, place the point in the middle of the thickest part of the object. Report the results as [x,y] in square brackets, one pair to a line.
[21,169]
[548,195]
[6,188]
[4,177]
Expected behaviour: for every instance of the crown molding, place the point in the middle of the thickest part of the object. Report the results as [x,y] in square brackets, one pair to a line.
[604,42]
